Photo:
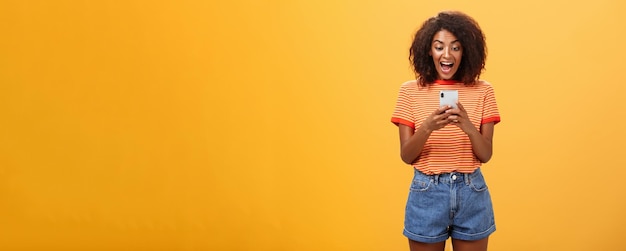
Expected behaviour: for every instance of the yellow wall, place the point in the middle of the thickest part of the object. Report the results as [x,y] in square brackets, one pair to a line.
[264,125]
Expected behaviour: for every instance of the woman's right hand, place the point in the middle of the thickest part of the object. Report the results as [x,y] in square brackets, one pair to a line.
[437,120]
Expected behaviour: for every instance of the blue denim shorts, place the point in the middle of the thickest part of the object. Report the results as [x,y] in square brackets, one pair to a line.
[456,205]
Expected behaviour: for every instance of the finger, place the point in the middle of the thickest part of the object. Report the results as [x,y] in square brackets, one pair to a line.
[458,104]
[443,123]
[440,116]
[441,109]
[444,116]
[457,113]
[454,111]
[455,120]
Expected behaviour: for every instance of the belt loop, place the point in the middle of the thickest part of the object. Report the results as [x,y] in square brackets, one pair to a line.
[436,177]
[466,178]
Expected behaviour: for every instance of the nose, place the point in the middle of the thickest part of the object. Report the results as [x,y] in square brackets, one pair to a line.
[446,52]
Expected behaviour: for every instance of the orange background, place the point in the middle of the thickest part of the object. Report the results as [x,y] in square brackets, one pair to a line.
[264,125]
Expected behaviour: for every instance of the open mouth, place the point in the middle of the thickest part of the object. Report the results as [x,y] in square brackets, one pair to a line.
[446,66]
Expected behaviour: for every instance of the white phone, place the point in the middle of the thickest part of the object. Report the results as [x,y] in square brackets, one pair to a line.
[449,98]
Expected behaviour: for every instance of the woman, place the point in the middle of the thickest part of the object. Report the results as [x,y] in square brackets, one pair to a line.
[445,145]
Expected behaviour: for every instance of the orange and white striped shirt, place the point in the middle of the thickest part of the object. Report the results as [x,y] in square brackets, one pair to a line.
[448,149]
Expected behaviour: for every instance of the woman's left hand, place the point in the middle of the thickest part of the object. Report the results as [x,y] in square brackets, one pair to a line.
[459,118]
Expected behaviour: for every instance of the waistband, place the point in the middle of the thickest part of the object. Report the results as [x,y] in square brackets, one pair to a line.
[449,178]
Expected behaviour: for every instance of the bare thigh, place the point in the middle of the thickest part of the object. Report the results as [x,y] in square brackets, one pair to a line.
[421,246]
[479,245]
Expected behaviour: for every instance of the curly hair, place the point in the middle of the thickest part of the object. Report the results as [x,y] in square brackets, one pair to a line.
[469,34]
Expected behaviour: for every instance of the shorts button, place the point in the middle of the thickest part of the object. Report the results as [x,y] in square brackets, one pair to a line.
[454,177]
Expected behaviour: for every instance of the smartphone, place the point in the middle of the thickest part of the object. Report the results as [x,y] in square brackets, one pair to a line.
[449,98]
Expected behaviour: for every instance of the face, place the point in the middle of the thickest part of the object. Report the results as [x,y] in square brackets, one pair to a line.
[446,51]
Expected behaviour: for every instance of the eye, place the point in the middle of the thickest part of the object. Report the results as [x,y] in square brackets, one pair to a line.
[456,48]
[438,48]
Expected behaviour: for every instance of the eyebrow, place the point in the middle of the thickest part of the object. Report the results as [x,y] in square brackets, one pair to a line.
[443,42]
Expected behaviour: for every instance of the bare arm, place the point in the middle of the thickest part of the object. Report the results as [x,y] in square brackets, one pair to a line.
[482,140]
[412,142]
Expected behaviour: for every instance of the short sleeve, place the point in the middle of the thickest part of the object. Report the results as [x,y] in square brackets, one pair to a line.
[490,108]
[403,113]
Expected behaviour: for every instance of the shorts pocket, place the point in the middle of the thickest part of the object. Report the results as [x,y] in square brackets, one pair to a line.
[477,182]
[421,183]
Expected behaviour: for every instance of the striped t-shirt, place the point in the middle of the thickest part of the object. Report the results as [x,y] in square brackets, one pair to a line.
[448,149]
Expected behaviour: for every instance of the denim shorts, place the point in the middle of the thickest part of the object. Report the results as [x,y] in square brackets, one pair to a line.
[456,205]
